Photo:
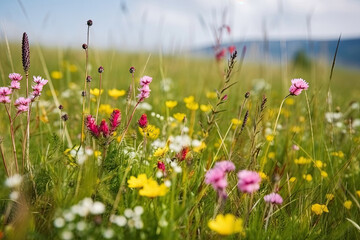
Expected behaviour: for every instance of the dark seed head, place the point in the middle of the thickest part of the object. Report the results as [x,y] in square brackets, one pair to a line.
[25,52]
[61,107]
[132,70]
[89,23]
[101,69]
[247,94]
[88,78]
[84,46]
[83,93]
[65,117]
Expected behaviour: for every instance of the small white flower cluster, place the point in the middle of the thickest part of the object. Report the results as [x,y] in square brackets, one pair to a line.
[174,165]
[179,142]
[81,155]
[157,116]
[131,218]
[67,222]
[14,183]
[166,84]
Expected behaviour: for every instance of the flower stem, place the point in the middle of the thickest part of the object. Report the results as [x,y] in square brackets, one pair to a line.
[99,98]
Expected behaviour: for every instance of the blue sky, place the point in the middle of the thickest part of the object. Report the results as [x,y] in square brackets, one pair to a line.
[174,25]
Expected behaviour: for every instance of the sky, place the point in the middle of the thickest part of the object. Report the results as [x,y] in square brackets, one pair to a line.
[175,25]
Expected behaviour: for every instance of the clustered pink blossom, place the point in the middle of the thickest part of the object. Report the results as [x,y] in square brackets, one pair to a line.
[297,86]
[15,80]
[145,89]
[273,198]
[217,177]
[103,129]
[38,87]
[143,122]
[4,94]
[115,120]
[161,166]
[249,181]
[22,104]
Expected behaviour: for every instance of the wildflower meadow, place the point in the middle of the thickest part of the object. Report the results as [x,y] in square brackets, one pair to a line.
[99,144]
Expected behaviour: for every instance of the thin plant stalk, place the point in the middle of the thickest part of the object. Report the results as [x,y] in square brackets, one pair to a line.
[128,124]
[273,133]
[311,126]
[12,133]
[98,100]
[3,158]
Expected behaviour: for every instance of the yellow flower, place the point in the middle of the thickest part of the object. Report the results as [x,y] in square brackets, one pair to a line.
[97,154]
[302,161]
[301,119]
[289,101]
[56,75]
[270,138]
[295,129]
[118,139]
[96,91]
[263,175]
[189,99]
[73,68]
[347,204]
[151,131]
[271,155]
[307,177]
[339,154]
[358,193]
[324,174]
[138,182]
[199,148]
[319,209]
[211,95]
[292,179]
[179,116]
[330,196]
[171,104]
[192,106]
[105,109]
[160,152]
[152,189]
[226,225]
[236,121]
[319,164]
[205,108]
[115,94]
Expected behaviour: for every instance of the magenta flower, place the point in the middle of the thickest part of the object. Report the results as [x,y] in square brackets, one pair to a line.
[143,122]
[22,104]
[217,177]
[38,87]
[115,120]
[144,92]
[161,166]
[39,80]
[15,77]
[297,86]
[92,127]
[249,181]
[226,166]
[145,80]
[15,85]
[5,91]
[4,99]
[273,198]
[104,128]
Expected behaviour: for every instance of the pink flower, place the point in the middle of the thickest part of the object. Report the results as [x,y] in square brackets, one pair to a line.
[220,54]
[273,198]
[145,80]
[297,86]
[143,122]
[249,181]
[295,147]
[161,166]
[15,85]
[39,80]
[92,127]
[4,99]
[231,49]
[144,93]
[115,120]
[22,104]
[15,77]
[226,166]
[104,128]
[217,177]
[5,91]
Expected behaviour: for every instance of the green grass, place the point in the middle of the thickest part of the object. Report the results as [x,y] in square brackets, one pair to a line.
[57,182]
